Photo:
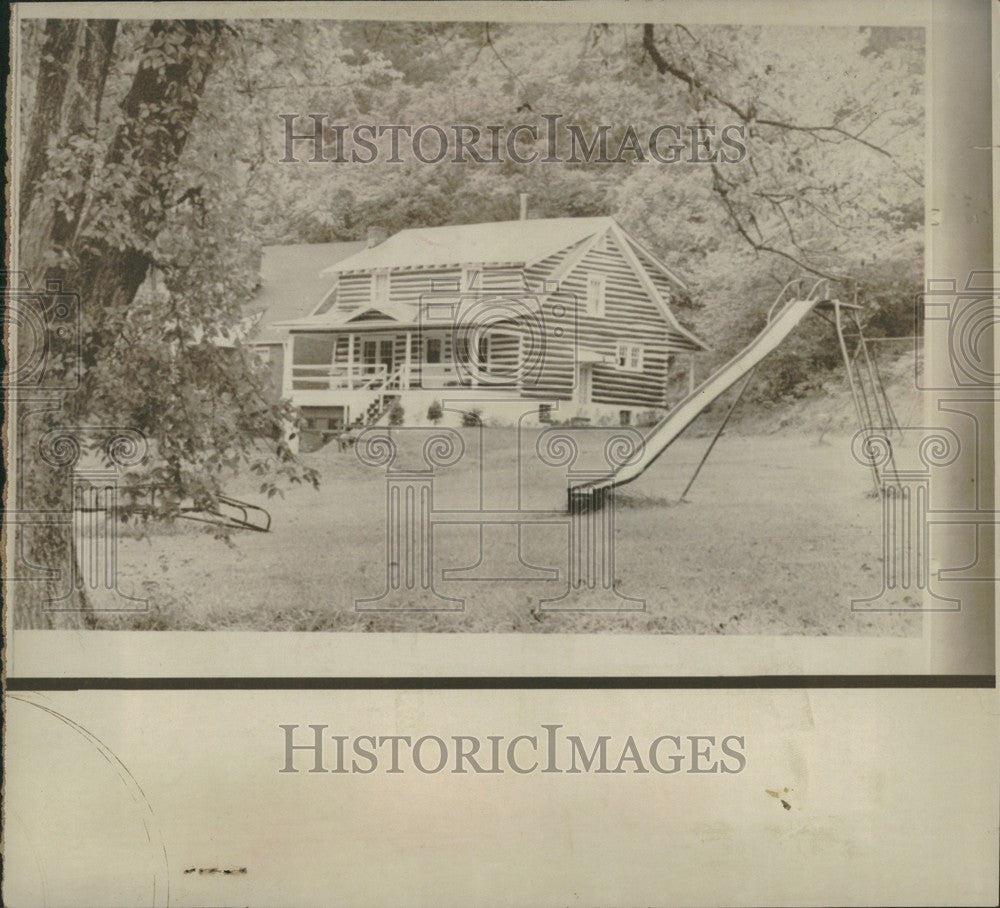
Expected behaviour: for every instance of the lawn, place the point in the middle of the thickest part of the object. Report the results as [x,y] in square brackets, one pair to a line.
[777,536]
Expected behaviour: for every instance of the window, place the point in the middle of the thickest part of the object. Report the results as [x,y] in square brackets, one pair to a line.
[381,287]
[624,417]
[595,295]
[470,278]
[629,357]
[312,349]
[433,350]
[323,419]
[263,354]
[545,412]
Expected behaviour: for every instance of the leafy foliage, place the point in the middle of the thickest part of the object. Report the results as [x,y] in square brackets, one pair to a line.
[152,177]
[472,418]
[831,184]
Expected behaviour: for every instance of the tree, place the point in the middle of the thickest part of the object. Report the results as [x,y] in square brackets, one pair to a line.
[824,160]
[102,202]
[396,413]
[434,412]
[151,177]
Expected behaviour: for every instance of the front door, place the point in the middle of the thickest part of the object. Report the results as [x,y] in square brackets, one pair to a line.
[584,376]
[378,353]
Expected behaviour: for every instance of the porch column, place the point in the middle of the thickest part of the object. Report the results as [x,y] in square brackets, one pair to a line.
[287,352]
[350,361]
[406,361]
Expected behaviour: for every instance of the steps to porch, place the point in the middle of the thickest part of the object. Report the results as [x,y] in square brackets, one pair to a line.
[324,424]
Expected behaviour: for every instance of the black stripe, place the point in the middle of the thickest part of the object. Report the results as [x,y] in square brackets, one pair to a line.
[695,682]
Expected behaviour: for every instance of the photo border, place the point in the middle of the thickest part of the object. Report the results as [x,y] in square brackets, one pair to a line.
[158,659]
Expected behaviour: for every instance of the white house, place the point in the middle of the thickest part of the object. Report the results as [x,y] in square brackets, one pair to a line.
[571,314]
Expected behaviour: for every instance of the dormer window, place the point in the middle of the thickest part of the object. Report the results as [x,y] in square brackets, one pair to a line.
[470,278]
[380,287]
[595,295]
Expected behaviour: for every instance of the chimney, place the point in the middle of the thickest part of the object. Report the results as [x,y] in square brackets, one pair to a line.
[376,235]
[524,205]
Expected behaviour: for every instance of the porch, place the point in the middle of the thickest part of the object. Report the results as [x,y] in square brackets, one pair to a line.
[359,371]
[400,360]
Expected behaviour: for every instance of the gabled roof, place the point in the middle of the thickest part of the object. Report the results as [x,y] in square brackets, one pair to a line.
[292,283]
[515,243]
[495,243]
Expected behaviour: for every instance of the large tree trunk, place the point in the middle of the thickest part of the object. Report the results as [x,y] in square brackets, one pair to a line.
[61,43]
[63,237]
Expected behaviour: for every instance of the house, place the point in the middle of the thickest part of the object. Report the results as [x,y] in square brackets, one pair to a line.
[291,285]
[572,315]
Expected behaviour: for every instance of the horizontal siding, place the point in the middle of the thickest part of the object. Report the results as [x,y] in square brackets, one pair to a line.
[681,343]
[353,292]
[667,289]
[554,377]
[663,284]
[495,279]
[610,385]
[356,291]
[541,271]
[408,287]
[504,360]
[630,316]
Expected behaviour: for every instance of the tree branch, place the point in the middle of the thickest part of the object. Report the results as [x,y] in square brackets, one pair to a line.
[723,195]
[748,114]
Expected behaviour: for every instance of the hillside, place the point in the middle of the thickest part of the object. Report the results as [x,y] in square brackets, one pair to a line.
[821,406]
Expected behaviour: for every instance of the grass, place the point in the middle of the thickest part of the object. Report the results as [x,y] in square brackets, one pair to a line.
[776,537]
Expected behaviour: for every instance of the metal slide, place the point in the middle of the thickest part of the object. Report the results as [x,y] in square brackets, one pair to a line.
[681,416]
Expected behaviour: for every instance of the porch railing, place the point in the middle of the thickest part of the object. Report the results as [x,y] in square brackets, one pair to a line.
[338,377]
[374,376]
[441,375]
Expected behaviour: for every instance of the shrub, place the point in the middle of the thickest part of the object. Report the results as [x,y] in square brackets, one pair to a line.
[472,418]
[396,413]
[785,375]
[434,412]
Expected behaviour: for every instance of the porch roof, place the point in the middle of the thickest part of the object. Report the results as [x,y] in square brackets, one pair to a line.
[385,316]
[586,355]
[351,327]
[404,317]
